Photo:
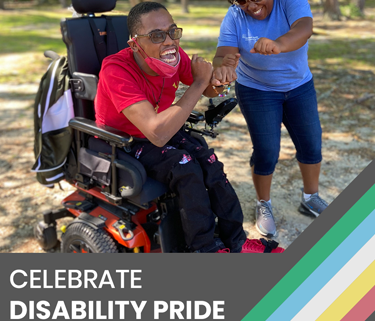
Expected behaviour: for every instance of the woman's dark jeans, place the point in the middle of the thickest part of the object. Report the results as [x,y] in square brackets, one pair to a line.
[264,111]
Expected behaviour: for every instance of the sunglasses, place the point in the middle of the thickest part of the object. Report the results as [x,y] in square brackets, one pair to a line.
[160,36]
[243,2]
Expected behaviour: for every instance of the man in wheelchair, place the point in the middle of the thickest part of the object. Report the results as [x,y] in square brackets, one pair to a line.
[135,94]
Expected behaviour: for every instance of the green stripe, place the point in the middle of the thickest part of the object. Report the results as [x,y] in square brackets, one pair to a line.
[317,254]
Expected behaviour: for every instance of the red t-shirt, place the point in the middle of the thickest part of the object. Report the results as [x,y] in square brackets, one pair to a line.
[122,84]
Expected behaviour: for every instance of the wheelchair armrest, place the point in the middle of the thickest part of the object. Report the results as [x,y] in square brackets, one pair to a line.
[134,174]
[84,85]
[195,117]
[107,133]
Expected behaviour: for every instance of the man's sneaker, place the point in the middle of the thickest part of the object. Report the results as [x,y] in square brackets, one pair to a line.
[223,251]
[315,205]
[265,222]
[261,246]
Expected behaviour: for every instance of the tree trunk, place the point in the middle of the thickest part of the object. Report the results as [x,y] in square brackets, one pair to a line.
[184,4]
[331,10]
[64,3]
[134,2]
[2,4]
[360,4]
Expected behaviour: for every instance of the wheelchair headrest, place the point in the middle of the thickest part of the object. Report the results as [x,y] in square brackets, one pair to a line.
[93,6]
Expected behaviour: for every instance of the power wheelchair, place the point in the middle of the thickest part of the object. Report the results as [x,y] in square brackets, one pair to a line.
[116,207]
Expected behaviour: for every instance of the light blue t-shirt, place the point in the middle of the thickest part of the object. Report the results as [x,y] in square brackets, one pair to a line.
[282,72]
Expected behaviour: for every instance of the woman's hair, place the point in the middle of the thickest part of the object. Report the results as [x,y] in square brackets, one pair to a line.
[134,17]
[231,1]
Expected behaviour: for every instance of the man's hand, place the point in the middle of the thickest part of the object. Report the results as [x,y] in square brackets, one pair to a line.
[201,70]
[265,46]
[226,72]
[223,75]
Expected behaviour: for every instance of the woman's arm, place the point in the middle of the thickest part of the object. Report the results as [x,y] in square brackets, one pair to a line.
[227,56]
[295,38]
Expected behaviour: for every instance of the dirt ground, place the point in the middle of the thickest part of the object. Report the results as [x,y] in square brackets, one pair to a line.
[347,110]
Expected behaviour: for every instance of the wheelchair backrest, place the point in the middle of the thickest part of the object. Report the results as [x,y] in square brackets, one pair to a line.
[84,35]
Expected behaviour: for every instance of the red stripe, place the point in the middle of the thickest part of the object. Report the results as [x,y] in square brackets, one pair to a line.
[363,309]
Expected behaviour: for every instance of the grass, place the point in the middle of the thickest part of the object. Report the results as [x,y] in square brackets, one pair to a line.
[341,53]
[29,32]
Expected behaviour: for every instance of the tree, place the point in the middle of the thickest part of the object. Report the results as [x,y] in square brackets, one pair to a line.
[331,10]
[2,4]
[184,4]
[64,3]
[134,2]
[360,5]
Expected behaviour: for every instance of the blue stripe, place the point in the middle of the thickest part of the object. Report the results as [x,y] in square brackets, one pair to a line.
[326,271]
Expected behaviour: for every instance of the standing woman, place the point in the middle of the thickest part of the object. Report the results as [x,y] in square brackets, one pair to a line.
[267,41]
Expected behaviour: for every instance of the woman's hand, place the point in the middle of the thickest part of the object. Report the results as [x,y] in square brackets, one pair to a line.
[265,46]
[226,73]
[231,60]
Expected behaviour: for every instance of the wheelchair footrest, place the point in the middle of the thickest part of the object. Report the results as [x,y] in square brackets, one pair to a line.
[50,217]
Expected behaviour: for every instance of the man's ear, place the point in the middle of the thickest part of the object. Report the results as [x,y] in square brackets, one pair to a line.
[132,45]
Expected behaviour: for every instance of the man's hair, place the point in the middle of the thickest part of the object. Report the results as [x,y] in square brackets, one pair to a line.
[134,17]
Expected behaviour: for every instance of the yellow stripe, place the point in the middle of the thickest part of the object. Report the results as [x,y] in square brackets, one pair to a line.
[351,296]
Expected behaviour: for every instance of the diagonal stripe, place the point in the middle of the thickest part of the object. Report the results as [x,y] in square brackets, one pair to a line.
[363,308]
[351,296]
[371,317]
[325,246]
[339,283]
[316,281]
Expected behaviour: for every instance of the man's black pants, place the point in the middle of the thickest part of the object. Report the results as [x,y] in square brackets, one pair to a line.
[197,177]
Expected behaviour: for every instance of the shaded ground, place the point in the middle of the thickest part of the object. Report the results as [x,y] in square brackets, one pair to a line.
[347,109]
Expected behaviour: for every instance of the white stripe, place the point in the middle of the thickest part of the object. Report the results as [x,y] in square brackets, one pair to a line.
[49,169]
[59,115]
[37,168]
[50,86]
[339,283]
[54,177]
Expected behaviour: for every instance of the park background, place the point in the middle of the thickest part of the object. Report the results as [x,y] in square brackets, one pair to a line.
[341,58]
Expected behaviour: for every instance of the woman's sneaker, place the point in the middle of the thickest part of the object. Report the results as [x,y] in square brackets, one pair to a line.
[265,223]
[315,205]
[261,246]
[226,250]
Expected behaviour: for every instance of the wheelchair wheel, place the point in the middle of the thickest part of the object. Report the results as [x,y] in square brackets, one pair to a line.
[46,235]
[82,238]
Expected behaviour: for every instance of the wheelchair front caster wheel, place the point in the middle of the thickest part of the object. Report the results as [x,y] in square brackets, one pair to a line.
[46,235]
